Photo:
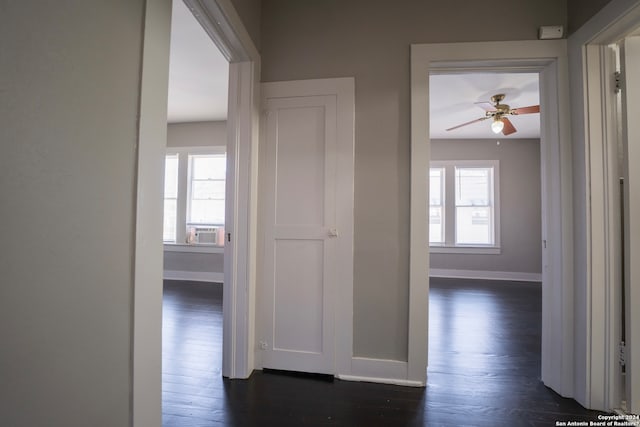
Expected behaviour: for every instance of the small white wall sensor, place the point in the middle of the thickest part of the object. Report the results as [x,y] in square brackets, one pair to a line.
[550,32]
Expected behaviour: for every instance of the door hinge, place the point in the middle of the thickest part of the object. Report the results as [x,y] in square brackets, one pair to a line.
[618,81]
[622,354]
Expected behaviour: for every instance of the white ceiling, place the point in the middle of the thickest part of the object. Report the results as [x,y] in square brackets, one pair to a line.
[452,98]
[198,73]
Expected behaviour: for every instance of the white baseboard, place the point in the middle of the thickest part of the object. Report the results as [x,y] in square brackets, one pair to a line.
[194,276]
[379,371]
[405,383]
[486,275]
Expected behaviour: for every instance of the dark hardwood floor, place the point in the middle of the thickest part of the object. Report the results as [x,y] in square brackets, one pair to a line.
[484,365]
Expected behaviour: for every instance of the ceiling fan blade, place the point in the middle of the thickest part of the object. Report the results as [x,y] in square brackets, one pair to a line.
[508,127]
[526,110]
[468,123]
[486,106]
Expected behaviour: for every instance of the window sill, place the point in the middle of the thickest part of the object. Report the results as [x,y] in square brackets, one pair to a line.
[478,250]
[199,248]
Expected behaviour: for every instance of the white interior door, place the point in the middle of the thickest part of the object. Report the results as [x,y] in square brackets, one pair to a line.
[307,228]
[630,68]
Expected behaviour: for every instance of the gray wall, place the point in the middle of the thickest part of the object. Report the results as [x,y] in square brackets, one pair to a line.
[370,39]
[195,134]
[580,11]
[249,12]
[520,208]
[197,262]
[69,97]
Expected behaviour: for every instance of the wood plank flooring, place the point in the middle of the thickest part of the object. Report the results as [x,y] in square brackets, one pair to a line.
[484,366]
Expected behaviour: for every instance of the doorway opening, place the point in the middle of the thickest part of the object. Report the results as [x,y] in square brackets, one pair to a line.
[485,230]
[223,25]
[194,218]
[548,61]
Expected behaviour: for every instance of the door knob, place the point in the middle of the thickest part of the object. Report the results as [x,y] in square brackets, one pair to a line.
[333,232]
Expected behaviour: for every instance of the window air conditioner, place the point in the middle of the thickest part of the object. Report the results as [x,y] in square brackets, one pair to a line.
[206,235]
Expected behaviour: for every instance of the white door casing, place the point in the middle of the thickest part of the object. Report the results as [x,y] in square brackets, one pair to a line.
[604,258]
[146,393]
[630,68]
[221,22]
[597,297]
[306,287]
[548,57]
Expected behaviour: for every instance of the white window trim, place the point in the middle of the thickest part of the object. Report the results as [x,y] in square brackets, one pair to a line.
[202,248]
[183,154]
[465,249]
[190,180]
[171,198]
[450,247]
[441,205]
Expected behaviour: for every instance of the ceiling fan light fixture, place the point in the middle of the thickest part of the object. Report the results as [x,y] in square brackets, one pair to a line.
[497,125]
[499,113]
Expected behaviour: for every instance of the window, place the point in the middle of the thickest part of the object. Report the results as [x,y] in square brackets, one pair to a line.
[194,196]
[170,197]
[206,189]
[436,205]
[474,210]
[464,206]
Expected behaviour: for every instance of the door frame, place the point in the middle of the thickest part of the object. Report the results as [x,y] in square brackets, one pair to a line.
[224,26]
[595,142]
[549,59]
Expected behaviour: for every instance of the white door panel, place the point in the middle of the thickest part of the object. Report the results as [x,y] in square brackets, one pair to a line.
[300,273]
[298,296]
[301,145]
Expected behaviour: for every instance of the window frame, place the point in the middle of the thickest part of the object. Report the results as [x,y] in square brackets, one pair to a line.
[190,180]
[184,190]
[442,206]
[450,208]
[165,198]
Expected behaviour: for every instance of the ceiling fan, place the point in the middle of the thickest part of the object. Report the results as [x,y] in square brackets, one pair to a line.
[498,112]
